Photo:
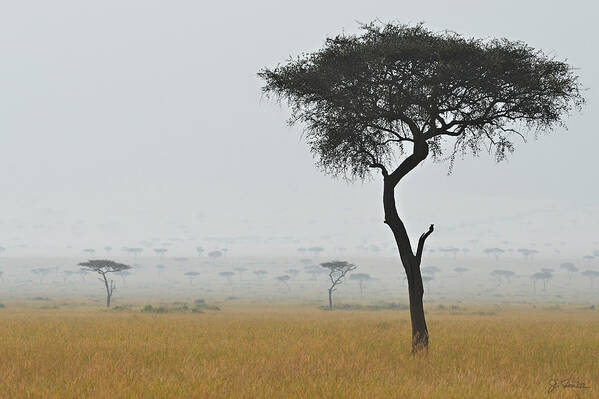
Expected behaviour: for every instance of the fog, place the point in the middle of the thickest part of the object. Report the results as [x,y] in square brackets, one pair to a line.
[142,124]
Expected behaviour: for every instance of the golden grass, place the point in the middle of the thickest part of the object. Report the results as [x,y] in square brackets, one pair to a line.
[288,352]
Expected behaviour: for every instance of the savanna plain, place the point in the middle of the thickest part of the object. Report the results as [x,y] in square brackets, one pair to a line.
[237,349]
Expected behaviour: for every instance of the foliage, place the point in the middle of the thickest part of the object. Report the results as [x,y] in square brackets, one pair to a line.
[362,97]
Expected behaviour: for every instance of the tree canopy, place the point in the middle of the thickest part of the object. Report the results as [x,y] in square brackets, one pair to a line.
[362,97]
[103,266]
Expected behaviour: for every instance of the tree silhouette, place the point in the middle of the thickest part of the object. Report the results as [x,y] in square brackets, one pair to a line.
[542,275]
[284,279]
[200,251]
[41,272]
[499,274]
[104,267]
[215,254]
[260,274]
[337,272]
[361,278]
[570,268]
[292,272]
[430,270]
[191,276]
[591,275]
[316,250]
[228,276]
[240,270]
[161,251]
[314,271]
[404,92]
[495,252]
[460,271]
[588,258]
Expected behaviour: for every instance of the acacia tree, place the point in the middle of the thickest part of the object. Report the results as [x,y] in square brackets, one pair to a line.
[361,278]
[337,272]
[103,267]
[394,95]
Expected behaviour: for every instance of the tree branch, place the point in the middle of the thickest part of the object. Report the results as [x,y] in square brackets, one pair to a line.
[421,241]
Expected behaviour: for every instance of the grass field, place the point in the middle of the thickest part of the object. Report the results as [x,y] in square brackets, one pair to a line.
[296,351]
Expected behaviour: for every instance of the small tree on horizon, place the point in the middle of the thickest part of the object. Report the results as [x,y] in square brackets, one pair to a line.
[104,267]
[570,268]
[260,274]
[591,275]
[361,278]
[337,272]
[392,96]
[284,279]
[191,276]
[460,271]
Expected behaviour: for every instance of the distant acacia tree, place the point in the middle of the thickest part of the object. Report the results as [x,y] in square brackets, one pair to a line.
[460,271]
[450,250]
[591,275]
[104,267]
[361,278]
[123,274]
[284,279]
[495,252]
[399,92]
[542,275]
[41,272]
[528,253]
[316,250]
[430,270]
[570,268]
[136,251]
[191,276]
[314,271]
[306,261]
[588,258]
[260,274]
[89,250]
[240,270]
[161,251]
[337,271]
[228,276]
[215,254]
[500,274]
[292,272]
[200,251]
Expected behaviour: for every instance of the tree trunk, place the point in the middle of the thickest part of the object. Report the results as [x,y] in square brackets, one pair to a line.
[108,291]
[330,300]
[411,262]
[419,330]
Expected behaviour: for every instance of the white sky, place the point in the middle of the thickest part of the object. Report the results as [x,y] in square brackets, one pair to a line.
[122,121]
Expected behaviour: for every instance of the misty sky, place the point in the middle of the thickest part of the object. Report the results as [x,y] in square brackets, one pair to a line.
[124,121]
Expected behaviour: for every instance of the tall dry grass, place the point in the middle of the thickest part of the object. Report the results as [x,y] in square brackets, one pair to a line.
[286,352]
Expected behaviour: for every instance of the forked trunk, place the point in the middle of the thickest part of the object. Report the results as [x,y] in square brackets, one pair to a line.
[410,260]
